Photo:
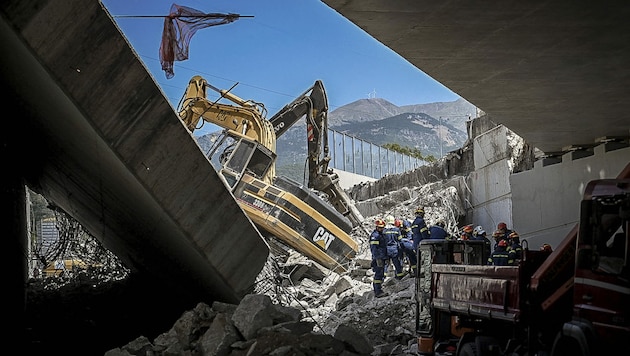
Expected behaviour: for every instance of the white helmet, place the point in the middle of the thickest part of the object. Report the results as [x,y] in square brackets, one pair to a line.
[477,230]
[389,219]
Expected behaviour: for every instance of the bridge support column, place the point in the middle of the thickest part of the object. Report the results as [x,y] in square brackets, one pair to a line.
[15,251]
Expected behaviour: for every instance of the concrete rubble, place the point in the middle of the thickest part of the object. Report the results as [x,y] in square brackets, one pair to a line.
[301,308]
[334,315]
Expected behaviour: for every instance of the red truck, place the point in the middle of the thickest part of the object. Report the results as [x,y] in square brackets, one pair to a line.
[572,301]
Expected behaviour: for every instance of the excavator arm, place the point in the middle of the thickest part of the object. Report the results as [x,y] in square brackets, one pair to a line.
[313,104]
[246,118]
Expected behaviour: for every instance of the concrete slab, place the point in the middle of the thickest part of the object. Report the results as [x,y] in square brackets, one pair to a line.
[96,136]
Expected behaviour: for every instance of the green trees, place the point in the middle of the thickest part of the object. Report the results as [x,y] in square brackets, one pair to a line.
[409,151]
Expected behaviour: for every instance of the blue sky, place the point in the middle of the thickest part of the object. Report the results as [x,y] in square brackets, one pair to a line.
[277,54]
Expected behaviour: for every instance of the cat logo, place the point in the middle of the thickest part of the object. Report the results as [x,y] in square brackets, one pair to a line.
[323,238]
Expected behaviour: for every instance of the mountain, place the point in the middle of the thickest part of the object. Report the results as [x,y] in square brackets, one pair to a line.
[456,112]
[416,130]
[432,128]
[361,111]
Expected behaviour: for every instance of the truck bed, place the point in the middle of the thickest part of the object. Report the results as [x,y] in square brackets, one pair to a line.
[485,291]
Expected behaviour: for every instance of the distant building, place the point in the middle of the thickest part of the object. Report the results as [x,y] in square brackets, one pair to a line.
[48,235]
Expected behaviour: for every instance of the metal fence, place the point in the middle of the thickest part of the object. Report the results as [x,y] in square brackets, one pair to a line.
[358,156]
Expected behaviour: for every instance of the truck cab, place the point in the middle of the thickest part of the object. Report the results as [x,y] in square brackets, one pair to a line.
[601,289]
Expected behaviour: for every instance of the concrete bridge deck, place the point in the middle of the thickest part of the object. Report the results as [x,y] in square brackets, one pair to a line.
[92,132]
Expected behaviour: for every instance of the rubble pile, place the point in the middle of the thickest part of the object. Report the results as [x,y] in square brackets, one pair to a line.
[302,308]
[336,315]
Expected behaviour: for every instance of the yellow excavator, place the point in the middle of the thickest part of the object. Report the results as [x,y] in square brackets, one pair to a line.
[315,220]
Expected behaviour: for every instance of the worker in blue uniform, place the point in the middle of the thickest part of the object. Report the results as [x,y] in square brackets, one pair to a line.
[406,245]
[378,248]
[392,235]
[419,228]
[500,256]
[437,231]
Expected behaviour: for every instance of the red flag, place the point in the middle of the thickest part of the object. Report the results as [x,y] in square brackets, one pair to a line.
[179,27]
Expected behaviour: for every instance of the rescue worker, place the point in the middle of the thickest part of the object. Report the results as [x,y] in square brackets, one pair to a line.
[476,233]
[466,233]
[480,234]
[498,236]
[437,231]
[419,228]
[546,247]
[392,236]
[406,245]
[504,230]
[500,256]
[514,246]
[378,248]
[405,228]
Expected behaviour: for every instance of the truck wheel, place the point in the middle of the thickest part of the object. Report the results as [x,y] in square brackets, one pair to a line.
[468,349]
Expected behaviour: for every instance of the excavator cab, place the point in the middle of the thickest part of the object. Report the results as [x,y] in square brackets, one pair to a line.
[245,156]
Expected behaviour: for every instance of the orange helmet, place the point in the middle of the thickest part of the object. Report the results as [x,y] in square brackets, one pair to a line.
[468,228]
[501,226]
[503,243]
[398,223]
[545,247]
[513,235]
[379,223]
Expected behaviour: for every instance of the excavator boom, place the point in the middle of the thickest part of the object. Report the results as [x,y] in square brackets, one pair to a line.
[313,103]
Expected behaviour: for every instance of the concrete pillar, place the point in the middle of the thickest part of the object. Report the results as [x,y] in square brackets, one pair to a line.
[15,251]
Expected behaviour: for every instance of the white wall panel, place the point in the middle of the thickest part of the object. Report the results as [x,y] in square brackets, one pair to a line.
[546,199]
[490,147]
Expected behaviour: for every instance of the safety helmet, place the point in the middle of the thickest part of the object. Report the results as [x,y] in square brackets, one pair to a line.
[513,235]
[420,210]
[379,223]
[398,223]
[481,232]
[464,237]
[477,229]
[390,220]
[545,247]
[503,243]
[468,228]
[501,226]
